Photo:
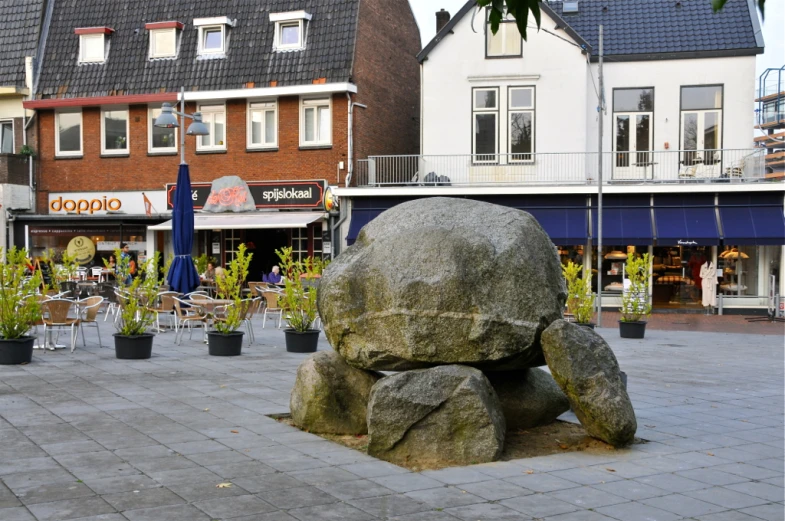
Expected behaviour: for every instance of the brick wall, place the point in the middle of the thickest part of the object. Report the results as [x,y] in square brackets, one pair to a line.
[388,78]
[143,171]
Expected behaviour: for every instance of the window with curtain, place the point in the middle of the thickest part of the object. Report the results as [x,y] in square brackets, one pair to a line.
[263,124]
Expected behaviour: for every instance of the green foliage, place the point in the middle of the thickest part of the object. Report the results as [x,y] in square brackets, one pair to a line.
[136,316]
[299,300]
[62,266]
[717,5]
[580,299]
[201,262]
[122,266]
[635,304]
[230,287]
[164,271]
[27,150]
[19,306]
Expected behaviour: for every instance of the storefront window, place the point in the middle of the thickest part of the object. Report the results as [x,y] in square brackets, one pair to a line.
[45,239]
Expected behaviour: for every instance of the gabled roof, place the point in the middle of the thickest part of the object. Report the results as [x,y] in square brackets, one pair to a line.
[20,22]
[650,29]
[249,58]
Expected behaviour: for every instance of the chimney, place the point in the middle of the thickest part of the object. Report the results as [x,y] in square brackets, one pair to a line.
[442,17]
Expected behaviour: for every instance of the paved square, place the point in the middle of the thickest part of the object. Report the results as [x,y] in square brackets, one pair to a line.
[87,436]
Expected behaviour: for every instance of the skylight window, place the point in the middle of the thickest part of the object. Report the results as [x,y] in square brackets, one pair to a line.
[212,35]
[290,30]
[92,44]
[163,38]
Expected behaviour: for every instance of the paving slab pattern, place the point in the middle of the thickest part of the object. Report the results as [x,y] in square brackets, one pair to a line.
[85,436]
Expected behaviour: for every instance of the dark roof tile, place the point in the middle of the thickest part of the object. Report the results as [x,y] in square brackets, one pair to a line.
[20,21]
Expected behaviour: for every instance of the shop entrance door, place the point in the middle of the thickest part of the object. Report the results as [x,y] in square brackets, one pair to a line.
[632,137]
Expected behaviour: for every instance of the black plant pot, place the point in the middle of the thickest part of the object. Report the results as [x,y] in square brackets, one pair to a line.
[225,344]
[297,342]
[632,329]
[137,347]
[16,351]
[589,325]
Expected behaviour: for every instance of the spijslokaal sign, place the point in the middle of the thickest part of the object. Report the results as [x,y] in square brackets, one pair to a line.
[266,194]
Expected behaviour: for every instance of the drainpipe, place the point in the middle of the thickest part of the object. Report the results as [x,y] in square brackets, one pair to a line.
[9,230]
[26,125]
[350,144]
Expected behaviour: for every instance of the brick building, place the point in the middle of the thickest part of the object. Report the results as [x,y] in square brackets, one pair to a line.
[291,90]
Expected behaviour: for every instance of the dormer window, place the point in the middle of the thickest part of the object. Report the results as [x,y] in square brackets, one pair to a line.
[289,30]
[163,38]
[92,44]
[212,35]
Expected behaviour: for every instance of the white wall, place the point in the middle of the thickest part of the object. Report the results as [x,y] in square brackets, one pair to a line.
[11,108]
[556,68]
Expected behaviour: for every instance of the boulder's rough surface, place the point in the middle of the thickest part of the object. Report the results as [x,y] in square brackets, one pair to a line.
[443,281]
[446,415]
[330,396]
[529,397]
[586,369]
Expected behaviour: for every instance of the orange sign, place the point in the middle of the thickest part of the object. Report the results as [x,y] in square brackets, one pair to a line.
[84,206]
[234,195]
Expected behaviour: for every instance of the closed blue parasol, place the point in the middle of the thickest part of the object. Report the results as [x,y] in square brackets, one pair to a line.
[182,274]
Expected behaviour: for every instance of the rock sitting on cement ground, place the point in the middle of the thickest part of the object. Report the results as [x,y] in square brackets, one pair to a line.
[443,281]
[529,398]
[586,369]
[448,415]
[330,396]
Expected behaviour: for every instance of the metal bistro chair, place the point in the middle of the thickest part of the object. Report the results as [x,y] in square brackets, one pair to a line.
[55,315]
[272,307]
[188,313]
[69,287]
[88,311]
[165,305]
[247,311]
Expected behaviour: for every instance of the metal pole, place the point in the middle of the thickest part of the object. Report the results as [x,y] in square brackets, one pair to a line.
[181,126]
[600,110]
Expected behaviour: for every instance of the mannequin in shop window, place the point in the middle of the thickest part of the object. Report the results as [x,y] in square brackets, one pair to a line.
[697,261]
[708,274]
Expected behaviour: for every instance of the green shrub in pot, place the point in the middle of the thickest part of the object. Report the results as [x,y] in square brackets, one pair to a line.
[580,299]
[19,307]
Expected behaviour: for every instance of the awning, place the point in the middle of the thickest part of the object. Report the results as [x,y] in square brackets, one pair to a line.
[686,220]
[626,220]
[564,218]
[248,221]
[365,210]
[359,219]
[752,218]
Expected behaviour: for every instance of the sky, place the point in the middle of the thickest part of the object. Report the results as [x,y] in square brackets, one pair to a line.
[773,27]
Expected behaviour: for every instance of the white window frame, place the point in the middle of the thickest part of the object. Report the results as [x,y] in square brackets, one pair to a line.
[494,157]
[262,106]
[13,138]
[158,150]
[70,153]
[212,52]
[82,47]
[116,151]
[153,33]
[305,104]
[507,24]
[523,109]
[278,46]
[208,111]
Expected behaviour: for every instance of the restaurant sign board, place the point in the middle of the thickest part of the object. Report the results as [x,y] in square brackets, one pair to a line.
[305,195]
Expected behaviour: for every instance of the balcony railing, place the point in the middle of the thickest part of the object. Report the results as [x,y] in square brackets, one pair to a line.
[562,168]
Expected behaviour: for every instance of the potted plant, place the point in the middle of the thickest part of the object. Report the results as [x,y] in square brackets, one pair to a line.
[19,307]
[299,300]
[133,341]
[635,305]
[225,340]
[580,299]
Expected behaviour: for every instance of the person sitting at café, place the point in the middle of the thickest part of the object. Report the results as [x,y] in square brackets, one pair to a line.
[209,274]
[274,277]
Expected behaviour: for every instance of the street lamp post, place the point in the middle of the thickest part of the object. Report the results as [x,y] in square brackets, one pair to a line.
[167,119]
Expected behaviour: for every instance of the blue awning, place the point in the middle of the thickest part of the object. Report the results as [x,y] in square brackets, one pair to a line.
[752,218]
[686,220]
[360,218]
[626,220]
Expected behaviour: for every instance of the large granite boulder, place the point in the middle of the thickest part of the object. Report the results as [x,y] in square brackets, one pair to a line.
[586,369]
[447,415]
[529,398]
[330,396]
[443,281]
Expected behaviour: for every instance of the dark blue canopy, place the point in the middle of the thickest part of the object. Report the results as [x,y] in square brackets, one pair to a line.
[182,274]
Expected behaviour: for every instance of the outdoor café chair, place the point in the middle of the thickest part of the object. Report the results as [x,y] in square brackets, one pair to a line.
[55,316]
[272,307]
[88,311]
[165,305]
[188,313]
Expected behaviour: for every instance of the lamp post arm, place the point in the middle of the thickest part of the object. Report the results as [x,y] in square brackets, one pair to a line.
[182,127]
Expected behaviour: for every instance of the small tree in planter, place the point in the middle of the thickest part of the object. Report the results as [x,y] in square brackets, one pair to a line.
[133,341]
[19,307]
[226,340]
[580,299]
[299,300]
[635,305]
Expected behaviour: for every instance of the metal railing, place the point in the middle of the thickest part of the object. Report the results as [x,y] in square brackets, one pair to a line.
[580,168]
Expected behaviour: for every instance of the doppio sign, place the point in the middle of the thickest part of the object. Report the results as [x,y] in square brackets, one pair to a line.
[306,195]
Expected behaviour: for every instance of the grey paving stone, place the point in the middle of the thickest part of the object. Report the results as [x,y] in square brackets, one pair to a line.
[72,447]
[289,498]
[445,497]
[587,475]
[672,482]
[768,463]
[711,476]
[494,490]
[103,517]
[103,471]
[53,492]
[390,506]
[16,514]
[15,466]
[191,475]
[335,511]
[580,515]
[636,511]
[301,462]
[143,498]
[70,509]
[42,477]
[167,513]
[196,447]
[760,490]
[164,464]
[357,489]
[235,470]
[631,489]
[324,476]
[121,484]
[407,482]
[432,515]
[769,512]
[373,469]
[207,490]
[456,475]
[485,512]
[627,469]
[683,505]
[539,505]
[267,482]
[222,457]
[749,471]
[541,482]
[500,469]
[272,516]
[730,515]
[725,497]
[587,497]
[142,453]
[232,507]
